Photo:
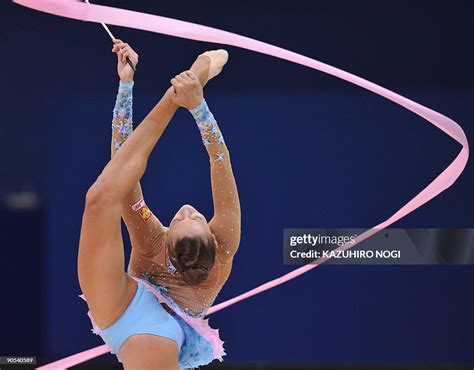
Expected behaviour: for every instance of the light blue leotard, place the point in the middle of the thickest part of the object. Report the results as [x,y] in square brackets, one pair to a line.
[144,315]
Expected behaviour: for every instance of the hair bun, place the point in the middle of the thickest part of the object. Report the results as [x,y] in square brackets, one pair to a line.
[194,275]
[194,257]
[188,268]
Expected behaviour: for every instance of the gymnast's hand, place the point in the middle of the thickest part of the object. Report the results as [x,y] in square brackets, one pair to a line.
[186,90]
[123,51]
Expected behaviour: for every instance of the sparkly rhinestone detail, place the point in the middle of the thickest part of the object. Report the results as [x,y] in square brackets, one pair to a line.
[210,132]
[122,123]
[170,267]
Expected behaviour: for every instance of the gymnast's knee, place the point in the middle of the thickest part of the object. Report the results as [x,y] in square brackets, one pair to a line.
[101,194]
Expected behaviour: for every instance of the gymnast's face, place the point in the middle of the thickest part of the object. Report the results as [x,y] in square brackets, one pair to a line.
[188,222]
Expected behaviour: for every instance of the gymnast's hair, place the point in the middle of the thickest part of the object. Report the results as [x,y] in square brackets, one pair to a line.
[194,257]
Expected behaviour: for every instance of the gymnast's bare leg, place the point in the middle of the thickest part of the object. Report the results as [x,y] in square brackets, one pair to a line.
[106,287]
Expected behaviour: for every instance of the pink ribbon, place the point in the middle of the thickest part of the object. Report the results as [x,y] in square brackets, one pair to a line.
[126,18]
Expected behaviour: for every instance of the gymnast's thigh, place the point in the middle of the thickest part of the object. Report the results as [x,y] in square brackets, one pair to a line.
[148,351]
[102,277]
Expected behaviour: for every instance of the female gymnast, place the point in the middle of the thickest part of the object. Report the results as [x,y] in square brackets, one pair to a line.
[152,316]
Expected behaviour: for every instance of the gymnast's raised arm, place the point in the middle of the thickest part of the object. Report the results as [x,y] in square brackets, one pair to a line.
[225,223]
[145,229]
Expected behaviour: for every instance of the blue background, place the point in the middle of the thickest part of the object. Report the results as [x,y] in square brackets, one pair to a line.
[308,151]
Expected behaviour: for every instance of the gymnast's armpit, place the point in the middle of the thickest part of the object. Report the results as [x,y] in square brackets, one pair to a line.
[226,221]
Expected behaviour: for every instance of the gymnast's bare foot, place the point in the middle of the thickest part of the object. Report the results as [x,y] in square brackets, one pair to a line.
[209,64]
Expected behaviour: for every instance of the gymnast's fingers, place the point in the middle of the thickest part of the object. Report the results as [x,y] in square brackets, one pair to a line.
[125,54]
[191,75]
[120,54]
[133,55]
[121,45]
[172,93]
[116,49]
[116,42]
[180,79]
[184,78]
[176,84]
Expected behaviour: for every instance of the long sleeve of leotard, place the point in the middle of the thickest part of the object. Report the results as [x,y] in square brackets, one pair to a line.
[122,122]
[226,221]
[145,230]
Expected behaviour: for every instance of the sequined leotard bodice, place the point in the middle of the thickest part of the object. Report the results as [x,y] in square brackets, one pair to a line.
[194,300]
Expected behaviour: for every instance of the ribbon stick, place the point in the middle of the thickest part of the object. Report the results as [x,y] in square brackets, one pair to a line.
[112,37]
[172,27]
[105,26]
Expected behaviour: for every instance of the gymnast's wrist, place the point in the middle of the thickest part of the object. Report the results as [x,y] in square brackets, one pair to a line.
[126,84]
[198,111]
